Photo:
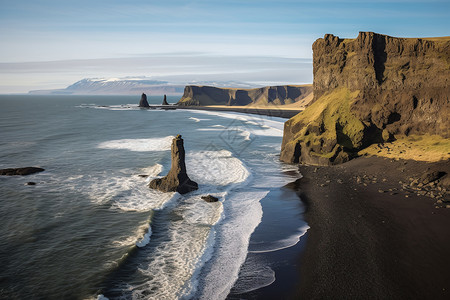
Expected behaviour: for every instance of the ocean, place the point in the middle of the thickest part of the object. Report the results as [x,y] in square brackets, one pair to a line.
[91,228]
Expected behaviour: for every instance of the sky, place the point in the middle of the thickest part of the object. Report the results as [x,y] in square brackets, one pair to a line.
[47,44]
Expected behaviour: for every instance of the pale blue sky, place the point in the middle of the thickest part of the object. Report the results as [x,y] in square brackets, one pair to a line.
[51,44]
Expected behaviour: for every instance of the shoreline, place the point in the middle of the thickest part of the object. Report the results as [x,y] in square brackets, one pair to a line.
[373,239]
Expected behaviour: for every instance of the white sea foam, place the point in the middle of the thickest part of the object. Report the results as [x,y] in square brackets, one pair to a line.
[253,275]
[251,119]
[246,134]
[215,168]
[152,171]
[202,212]
[258,125]
[139,145]
[175,262]
[243,213]
[122,189]
[119,107]
[145,239]
[282,244]
[194,119]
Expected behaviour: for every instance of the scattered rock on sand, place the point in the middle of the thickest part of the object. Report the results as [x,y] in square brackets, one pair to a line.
[177,179]
[20,171]
[431,176]
[210,198]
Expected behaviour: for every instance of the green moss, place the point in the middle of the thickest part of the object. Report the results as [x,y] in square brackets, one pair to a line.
[187,99]
[332,119]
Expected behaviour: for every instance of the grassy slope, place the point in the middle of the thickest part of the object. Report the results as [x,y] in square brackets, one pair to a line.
[319,122]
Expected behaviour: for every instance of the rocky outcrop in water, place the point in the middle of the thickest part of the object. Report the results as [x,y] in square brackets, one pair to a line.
[210,198]
[165,101]
[369,90]
[271,95]
[177,179]
[143,102]
[20,171]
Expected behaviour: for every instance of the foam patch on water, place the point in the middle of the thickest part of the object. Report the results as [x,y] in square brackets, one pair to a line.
[194,119]
[252,276]
[215,168]
[243,213]
[252,124]
[251,119]
[145,239]
[202,212]
[139,145]
[121,189]
[118,107]
[174,262]
[152,171]
[145,201]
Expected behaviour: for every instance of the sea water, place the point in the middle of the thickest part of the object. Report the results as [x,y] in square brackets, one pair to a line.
[91,228]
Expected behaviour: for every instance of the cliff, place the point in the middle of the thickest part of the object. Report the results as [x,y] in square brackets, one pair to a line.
[272,95]
[367,90]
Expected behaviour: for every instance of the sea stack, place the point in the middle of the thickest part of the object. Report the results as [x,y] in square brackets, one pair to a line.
[165,101]
[177,179]
[143,102]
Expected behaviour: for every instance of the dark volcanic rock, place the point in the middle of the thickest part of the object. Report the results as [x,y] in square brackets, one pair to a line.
[370,90]
[165,101]
[210,198]
[30,183]
[276,95]
[20,171]
[177,179]
[431,176]
[143,102]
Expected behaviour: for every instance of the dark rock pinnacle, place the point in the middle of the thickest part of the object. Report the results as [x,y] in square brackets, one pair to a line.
[143,102]
[177,179]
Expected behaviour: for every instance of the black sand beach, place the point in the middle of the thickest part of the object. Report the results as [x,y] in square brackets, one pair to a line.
[373,239]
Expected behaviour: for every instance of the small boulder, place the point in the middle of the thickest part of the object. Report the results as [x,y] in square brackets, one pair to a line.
[210,198]
[30,183]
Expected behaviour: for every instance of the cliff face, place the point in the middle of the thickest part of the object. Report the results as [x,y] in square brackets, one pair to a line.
[277,95]
[368,90]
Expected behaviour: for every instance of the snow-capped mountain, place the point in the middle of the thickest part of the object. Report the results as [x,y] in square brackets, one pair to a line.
[132,86]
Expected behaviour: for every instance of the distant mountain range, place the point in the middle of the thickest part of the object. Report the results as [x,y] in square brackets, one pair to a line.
[132,86]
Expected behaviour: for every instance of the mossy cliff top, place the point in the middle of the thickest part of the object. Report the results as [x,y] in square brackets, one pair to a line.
[369,90]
